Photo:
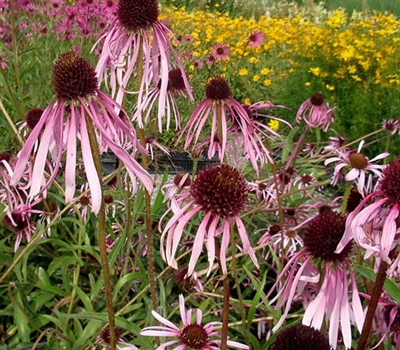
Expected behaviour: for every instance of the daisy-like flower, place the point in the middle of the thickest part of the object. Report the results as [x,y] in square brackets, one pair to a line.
[176,86]
[220,51]
[358,164]
[222,107]
[18,208]
[316,113]
[211,59]
[255,39]
[78,101]
[136,31]
[192,336]
[332,300]
[391,125]
[197,64]
[375,227]
[220,192]
[301,337]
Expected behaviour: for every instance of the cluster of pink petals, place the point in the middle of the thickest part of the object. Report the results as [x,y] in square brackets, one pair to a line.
[171,330]
[58,133]
[359,175]
[331,302]
[315,115]
[120,56]
[374,227]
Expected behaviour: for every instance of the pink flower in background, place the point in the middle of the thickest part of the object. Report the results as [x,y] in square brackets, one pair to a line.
[375,227]
[176,87]
[220,51]
[255,39]
[220,193]
[197,64]
[219,104]
[316,113]
[78,102]
[331,303]
[211,59]
[137,31]
[192,336]
[358,164]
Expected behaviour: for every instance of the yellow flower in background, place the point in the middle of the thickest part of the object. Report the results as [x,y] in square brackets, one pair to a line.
[315,71]
[247,101]
[243,71]
[307,83]
[254,59]
[256,77]
[267,82]
[273,124]
[266,71]
[330,87]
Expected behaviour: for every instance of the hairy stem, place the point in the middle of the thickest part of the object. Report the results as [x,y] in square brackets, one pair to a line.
[102,234]
[373,303]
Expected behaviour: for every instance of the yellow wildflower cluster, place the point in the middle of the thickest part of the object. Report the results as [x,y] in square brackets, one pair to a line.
[361,48]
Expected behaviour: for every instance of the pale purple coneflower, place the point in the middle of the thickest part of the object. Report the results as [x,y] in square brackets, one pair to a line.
[197,64]
[175,87]
[375,227]
[391,125]
[358,164]
[78,101]
[316,113]
[211,59]
[18,208]
[151,143]
[219,192]
[332,300]
[192,336]
[223,108]
[136,31]
[335,143]
[220,51]
[257,131]
[255,39]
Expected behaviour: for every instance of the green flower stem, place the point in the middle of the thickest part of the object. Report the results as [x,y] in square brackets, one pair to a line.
[346,195]
[9,120]
[149,231]
[102,234]
[373,303]
[235,274]
[299,145]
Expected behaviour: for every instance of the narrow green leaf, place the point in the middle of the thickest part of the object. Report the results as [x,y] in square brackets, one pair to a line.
[85,299]
[254,303]
[90,331]
[21,321]
[390,287]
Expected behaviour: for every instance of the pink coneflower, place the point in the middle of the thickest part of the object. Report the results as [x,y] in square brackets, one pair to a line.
[137,31]
[220,193]
[358,164]
[18,208]
[197,64]
[222,107]
[78,102]
[3,61]
[220,51]
[257,131]
[375,226]
[255,39]
[316,113]
[175,87]
[391,125]
[332,300]
[211,60]
[192,336]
